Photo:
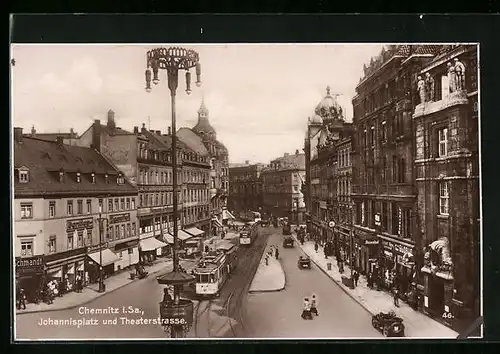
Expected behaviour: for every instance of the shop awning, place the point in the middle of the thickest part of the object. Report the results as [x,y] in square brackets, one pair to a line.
[55,273]
[182,235]
[194,231]
[71,269]
[217,223]
[237,223]
[227,215]
[151,244]
[81,267]
[108,257]
[168,238]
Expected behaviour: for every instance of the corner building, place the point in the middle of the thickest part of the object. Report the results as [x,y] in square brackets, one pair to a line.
[384,191]
[447,181]
[70,204]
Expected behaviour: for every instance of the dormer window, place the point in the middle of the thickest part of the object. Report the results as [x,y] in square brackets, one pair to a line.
[92,176]
[23,175]
[106,178]
[78,177]
[120,179]
[61,176]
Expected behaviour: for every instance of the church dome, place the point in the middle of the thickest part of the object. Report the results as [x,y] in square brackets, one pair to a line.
[329,108]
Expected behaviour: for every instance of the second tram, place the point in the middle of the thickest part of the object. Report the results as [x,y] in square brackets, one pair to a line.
[249,233]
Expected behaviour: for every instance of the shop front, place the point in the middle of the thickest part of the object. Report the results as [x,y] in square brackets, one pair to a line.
[128,254]
[30,275]
[194,246]
[63,267]
[100,258]
[366,247]
[150,247]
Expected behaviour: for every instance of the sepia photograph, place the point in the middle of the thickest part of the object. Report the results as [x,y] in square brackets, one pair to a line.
[245,191]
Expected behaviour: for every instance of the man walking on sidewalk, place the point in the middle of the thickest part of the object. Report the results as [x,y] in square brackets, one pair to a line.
[277,253]
[396,297]
[355,277]
[316,246]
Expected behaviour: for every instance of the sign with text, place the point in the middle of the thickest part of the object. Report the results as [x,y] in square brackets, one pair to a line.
[79,224]
[403,249]
[30,265]
[378,219]
[95,248]
[118,218]
[54,257]
[372,242]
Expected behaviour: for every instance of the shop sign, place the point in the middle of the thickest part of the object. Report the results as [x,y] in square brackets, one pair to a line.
[66,254]
[372,242]
[30,265]
[123,245]
[388,254]
[79,224]
[378,219]
[161,209]
[118,218]
[403,249]
[96,248]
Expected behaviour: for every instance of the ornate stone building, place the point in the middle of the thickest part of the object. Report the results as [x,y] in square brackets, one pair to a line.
[219,165]
[447,180]
[246,191]
[328,149]
[282,193]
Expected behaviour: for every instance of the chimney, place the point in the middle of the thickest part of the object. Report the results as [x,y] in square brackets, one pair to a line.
[152,131]
[33,132]
[111,120]
[297,152]
[18,135]
[247,162]
[158,132]
[136,130]
[60,140]
[72,133]
[96,135]
[143,127]
[169,130]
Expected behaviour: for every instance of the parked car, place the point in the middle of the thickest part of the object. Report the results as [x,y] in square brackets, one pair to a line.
[389,324]
[288,242]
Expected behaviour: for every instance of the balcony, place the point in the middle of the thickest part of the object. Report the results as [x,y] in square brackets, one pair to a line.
[453,99]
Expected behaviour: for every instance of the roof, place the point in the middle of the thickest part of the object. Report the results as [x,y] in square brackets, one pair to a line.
[192,140]
[203,126]
[51,136]
[45,158]
[114,131]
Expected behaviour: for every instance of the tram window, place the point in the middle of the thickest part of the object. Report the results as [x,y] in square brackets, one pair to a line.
[212,278]
[203,278]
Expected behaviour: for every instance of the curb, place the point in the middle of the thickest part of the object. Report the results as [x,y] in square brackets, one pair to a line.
[82,303]
[342,286]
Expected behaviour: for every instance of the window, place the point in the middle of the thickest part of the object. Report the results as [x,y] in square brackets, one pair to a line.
[78,177]
[383,132]
[70,207]
[70,241]
[52,209]
[120,179]
[385,216]
[110,205]
[394,169]
[117,204]
[87,234]
[23,176]
[128,204]
[122,203]
[401,172]
[443,142]
[26,248]
[89,206]
[133,229]
[117,232]
[100,206]
[129,231]
[122,231]
[80,239]
[132,203]
[93,177]
[140,200]
[363,219]
[52,244]
[130,250]
[383,169]
[26,210]
[80,206]
[372,136]
[444,197]
[110,233]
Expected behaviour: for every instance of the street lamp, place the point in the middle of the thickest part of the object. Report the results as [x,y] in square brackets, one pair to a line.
[101,220]
[172,60]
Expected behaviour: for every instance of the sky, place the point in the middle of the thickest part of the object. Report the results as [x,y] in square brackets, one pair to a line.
[259,97]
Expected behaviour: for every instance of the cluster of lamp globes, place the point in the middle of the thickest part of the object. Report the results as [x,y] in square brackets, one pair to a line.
[156,80]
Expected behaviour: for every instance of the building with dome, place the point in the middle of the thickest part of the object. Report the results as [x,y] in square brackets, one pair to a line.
[204,137]
[328,148]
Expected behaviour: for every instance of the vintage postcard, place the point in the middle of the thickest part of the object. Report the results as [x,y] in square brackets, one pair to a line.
[263,191]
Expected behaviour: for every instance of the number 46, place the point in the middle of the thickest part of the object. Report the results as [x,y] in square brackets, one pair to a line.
[448,315]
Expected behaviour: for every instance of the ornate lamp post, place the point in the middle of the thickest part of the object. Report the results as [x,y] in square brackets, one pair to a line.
[177,315]
[101,220]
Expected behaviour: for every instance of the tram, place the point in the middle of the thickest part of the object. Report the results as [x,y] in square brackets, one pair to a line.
[249,233]
[214,269]
[287,228]
[251,216]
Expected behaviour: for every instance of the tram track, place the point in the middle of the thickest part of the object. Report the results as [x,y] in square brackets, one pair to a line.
[205,312]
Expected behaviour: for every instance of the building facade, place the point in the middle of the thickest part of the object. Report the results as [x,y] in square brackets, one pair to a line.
[282,187]
[246,192]
[447,181]
[328,148]
[71,207]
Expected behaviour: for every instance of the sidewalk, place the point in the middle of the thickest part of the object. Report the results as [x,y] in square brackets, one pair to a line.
[90,292]
[269,277]
[417,324]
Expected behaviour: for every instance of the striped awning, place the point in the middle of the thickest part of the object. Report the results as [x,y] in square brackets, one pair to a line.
[151,244]
[108,257]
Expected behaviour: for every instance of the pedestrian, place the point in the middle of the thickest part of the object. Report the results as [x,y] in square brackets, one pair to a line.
[314,305]
[306,311]
[396,296]
[21,299]
[277,253]
[79,283]
[356,278]
[316,246]
[166,296]
[267,259]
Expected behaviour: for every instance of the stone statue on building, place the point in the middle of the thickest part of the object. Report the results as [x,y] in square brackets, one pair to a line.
[429,83]
[451,78]
[437,255]
[459,75]
[421,89]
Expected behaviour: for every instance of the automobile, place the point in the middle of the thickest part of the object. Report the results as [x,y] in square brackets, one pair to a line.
[389,324]
[288,242]
[265,222]
[304,262]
